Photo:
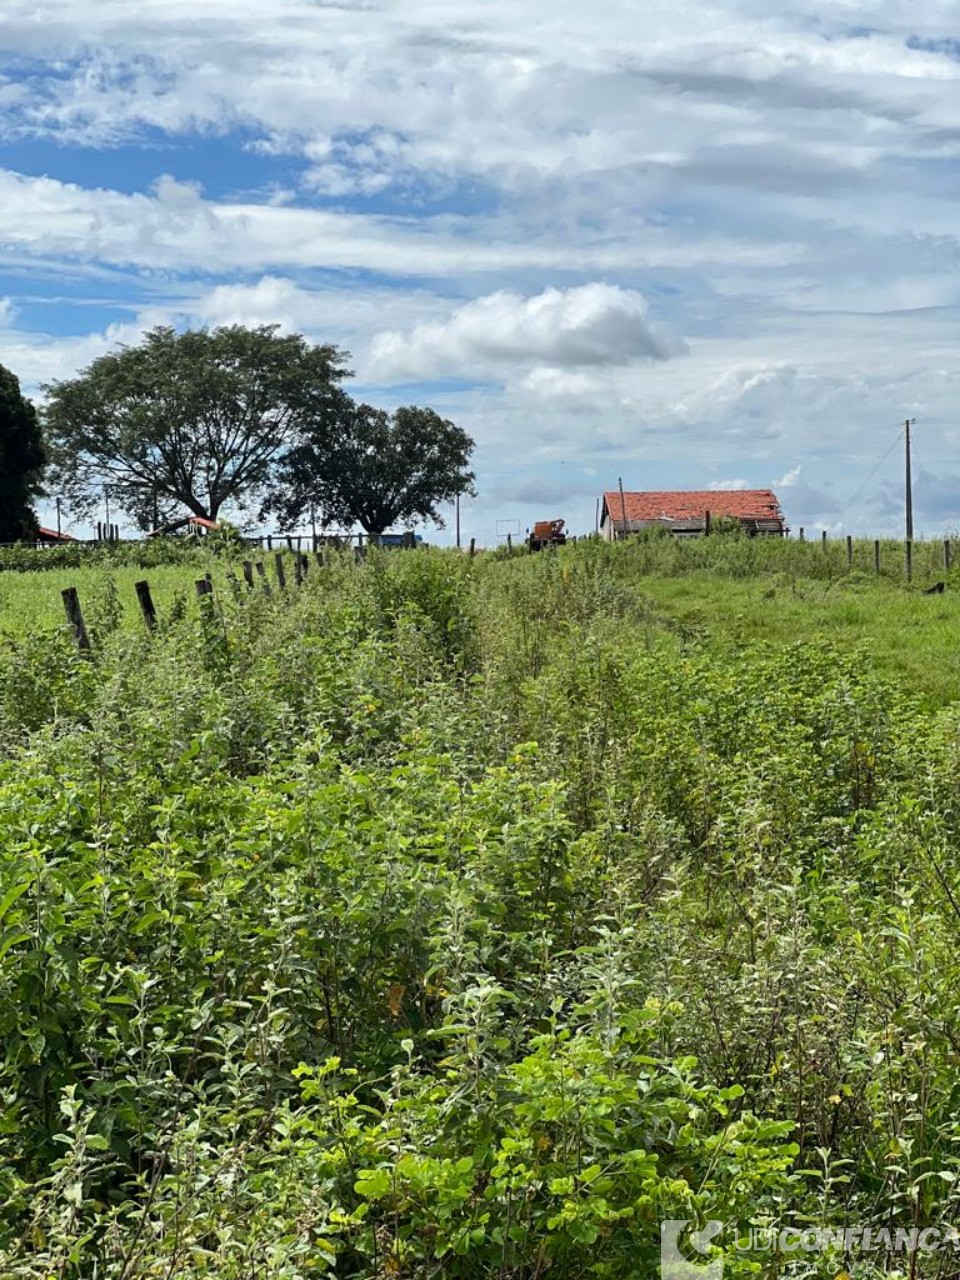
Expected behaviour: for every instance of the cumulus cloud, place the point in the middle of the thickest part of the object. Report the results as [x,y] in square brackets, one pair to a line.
[816,504]
[591,325]
[272,300]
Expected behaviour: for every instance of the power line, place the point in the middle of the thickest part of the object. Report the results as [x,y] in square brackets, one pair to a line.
[882,460]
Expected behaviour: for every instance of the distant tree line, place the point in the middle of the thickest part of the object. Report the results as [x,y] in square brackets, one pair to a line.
[246,418]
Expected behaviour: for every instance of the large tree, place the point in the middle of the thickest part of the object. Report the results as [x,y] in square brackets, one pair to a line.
[22,458]
[361,465]
[195,419]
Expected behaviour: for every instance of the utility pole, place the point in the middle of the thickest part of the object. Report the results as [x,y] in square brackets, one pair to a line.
[458,522]
[106,503]
[623,507]
[58,517]
[909,481]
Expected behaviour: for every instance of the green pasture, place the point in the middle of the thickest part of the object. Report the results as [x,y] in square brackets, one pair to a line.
[911,637]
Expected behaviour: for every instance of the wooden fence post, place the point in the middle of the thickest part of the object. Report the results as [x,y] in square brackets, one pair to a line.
[71,605]
[281,575]
[262,575]
[823,539]
[849,551]
[305,562]
[318,556]
[298,571]
[204,588]
[248,574]
[147,607]
[801,533]
[706,524]
[473,545]
[269,542]
[876,556]
[908,547]
[509,543]
[947,558]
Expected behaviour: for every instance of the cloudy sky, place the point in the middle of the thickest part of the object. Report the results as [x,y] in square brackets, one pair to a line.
[689,244]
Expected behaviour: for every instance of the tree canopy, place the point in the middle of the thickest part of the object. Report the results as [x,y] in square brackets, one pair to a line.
[22,458]
[361,465]
[195,419]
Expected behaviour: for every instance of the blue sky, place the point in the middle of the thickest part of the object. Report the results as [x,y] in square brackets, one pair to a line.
[689,246]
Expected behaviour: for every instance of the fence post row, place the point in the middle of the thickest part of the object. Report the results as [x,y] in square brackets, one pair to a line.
[71,605]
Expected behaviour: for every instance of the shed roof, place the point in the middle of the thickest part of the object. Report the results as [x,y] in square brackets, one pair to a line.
[196,522]
[690,504]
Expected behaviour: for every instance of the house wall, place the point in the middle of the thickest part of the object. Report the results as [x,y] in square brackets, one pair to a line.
[681,528]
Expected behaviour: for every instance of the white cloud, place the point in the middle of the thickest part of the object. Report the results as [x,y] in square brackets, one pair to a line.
[451,183]
[592,325]
[272,300]
[175,229]
[728,484]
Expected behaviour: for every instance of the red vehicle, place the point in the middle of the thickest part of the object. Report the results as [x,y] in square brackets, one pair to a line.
[547,533]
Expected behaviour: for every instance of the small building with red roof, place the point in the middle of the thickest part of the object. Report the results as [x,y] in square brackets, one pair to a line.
[53,535]
[685,511]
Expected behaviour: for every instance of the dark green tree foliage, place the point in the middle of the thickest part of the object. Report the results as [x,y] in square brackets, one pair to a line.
[186,420]
[360,465]
[22,459]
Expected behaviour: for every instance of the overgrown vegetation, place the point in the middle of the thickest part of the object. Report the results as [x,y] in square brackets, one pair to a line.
[468,917]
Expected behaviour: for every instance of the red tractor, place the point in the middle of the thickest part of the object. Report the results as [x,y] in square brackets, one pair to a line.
[547,533]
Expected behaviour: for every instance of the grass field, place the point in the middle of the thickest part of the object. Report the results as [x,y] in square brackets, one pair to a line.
[453,917]
[908,636]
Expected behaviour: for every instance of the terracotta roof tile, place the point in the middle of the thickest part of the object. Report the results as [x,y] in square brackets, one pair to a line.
[688,504]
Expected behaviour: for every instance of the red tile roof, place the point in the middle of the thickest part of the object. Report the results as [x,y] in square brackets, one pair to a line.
[745,504]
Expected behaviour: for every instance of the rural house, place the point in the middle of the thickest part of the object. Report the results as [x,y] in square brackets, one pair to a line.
[684,512]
